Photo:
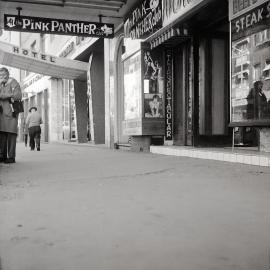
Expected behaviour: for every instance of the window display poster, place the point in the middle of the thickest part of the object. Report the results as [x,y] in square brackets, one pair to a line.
[250,83]
[153,105]
[153,73]
[132,87]
[153,83]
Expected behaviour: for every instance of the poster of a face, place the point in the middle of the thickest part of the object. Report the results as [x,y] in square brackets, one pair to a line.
[153,76]
[153,105]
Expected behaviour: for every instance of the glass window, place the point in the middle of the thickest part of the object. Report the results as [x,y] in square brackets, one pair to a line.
[153,84]
[251,77]
[34,46]
[73,119]
[257,72]
[42,43]
[132,87]
[66,110]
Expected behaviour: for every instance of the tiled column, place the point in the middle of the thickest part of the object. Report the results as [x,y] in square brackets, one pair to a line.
[55,110]
[98,99]
[80,90]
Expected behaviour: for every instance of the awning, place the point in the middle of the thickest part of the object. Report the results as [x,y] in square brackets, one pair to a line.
[17,57]
[168,36]
[110,5]
[109,11]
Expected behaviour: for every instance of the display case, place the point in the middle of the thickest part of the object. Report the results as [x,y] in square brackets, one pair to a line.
[143,90]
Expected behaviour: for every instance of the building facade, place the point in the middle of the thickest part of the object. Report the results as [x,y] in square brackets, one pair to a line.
[176,73]
[185,79]
[65,104]
[173,75]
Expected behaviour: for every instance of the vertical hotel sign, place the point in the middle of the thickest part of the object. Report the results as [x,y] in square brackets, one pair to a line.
[168,95]
[174,9]
[239,7]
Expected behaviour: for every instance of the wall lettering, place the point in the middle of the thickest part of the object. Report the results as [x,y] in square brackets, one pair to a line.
[169,95]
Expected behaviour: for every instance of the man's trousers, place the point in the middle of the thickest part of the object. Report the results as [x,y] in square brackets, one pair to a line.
[34,134]
[7,145]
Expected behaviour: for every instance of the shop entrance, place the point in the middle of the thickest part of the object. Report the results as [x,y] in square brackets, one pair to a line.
[213,90]
[210,33]
[183,105]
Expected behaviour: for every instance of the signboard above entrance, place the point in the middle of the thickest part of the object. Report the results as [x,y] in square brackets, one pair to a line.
[239,7]
[251,22]
[144,20]
[175,9]
[57,26]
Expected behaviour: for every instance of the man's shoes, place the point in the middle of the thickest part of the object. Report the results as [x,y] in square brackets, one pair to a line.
[32,149]
[10,160]
[38,149]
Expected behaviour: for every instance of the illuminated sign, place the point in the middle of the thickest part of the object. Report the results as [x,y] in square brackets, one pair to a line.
[57,26]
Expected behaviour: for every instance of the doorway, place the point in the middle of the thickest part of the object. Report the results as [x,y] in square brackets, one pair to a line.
[213,91]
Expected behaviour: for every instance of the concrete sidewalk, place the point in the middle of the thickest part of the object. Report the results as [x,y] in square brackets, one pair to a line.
[228,154]
[71,207]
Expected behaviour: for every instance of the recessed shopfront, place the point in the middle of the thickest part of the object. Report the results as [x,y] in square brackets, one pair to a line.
[189,57]
[250,69]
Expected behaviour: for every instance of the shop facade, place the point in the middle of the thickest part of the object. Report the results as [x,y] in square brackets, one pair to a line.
[173,71]
[250,71]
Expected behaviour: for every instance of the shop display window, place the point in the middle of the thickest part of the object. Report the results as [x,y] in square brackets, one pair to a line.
[143,106]
[73,118]
[132,87]
[153,84]
[250,92]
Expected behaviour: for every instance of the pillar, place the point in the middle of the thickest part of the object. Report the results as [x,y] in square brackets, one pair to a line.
[80,91]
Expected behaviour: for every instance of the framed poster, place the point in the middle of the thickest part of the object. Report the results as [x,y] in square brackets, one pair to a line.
[153,105]
[132,87]
[153,80]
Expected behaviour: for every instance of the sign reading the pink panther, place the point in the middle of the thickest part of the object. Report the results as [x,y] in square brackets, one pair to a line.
[57,26]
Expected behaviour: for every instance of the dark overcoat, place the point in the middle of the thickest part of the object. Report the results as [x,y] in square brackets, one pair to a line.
[11,89]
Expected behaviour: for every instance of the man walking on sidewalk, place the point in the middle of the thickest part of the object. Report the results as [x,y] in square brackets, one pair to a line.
[33,121]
